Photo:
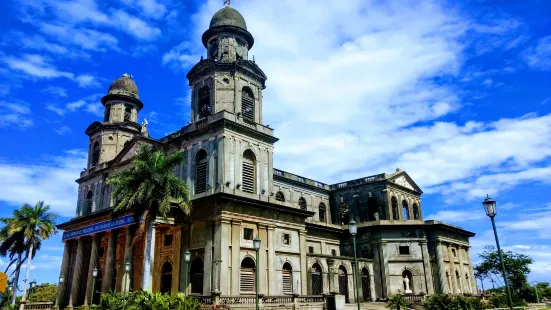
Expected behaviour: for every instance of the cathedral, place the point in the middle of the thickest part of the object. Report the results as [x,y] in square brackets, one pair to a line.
[238,195]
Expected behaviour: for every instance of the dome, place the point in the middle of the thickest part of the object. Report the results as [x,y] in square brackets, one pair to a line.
[124,86]
[228,16]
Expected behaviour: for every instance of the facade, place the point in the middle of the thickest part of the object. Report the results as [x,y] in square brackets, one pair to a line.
[238,195]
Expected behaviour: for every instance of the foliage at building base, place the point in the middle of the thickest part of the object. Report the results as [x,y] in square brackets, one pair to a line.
[146,301]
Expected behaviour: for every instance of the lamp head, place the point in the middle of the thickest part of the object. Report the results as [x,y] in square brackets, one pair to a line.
[95,272]
[32,284]
[490,206]
[187,256]
[353,227]
[256,243]
[127,266]
[61,278]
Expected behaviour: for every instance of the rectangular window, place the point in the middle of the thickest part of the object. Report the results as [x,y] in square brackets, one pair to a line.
[168,240]
[248,234]
[246,283]
[454,253]
[334,252]
[404,250]
[311,249]
[286,239]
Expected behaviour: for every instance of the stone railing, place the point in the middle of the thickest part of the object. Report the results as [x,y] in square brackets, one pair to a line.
[237,300]
[280,300]
[307,299]
[414,298]
[38,306]
[202,299]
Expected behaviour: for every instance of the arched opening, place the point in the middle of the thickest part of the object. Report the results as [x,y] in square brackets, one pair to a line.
[247,276]
[196,276]
[302,203]
[343,283]
[407,281]
[287,277]
[317,280]
[95,154]
[201,172]
[127,114]
[343,210]
[279,196]
[89,202]
[416,212]
[204,102]
[96,295]
[394,202]
[249,172]
[366,290]
[372,209]
[107,113]
[247,104]
[458,281]
[322,210]
[468,283]
[405,209]
[166,277]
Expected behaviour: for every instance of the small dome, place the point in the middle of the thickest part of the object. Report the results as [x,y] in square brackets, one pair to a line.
[124,86]
[228,16]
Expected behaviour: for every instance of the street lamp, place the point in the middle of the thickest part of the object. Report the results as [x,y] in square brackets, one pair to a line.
[127,267]
[187,258]
[353,228]
[535,283]
[490,207]
[94,276]
[256,244]
[60,282]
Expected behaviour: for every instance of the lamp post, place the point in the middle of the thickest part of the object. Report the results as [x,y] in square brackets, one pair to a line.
[353,228]
[490,208]
[187,258]
[535,283]
[127,267]
[60,283]
[94,276]
[256,244]
[32,285]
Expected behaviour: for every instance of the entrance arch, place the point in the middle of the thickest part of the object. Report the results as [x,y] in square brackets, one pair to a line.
[166,278]
[317,279]
[366,289]
[343,283]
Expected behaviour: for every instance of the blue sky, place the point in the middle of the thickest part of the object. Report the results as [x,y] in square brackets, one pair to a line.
[456,94]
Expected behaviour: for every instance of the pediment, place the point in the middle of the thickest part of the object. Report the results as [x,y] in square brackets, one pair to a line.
[404,180]
[131,149]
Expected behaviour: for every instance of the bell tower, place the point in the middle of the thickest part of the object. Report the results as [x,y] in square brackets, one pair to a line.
[120,123]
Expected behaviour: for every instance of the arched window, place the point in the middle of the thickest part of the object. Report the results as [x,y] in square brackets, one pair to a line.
[246,277]
[343,210]
[372,209]
[249,172]
[287,277]
[406,274]
[343,283]
[166,277]
[317,280]
[302,203]
[395,208]
[448,282]
[201,172]
[468,283]
[416,212]
[196,276]
[405,209]
[204,102]
[127,113]
[458,281]
[89,202]
[107,113]
[366,290]
[247,104]
[95,154]
[322,212]
[279,196]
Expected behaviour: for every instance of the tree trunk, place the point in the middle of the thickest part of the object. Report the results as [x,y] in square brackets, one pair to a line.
[16,278]
[149,252]
[27,271]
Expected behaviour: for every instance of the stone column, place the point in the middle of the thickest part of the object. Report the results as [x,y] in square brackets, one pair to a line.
[384,253]
[427,268]
[303,262]
[149,259]
[77,273]
[65,273]
[372,285]
[207,263]
[461,271]
[333,287]
[272,283]
[444,289]
[93,264]
[107,280]
[128,258]
[235,255]
[224,276]
[263,263]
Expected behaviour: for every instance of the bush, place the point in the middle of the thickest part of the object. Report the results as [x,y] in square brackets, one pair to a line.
[397,300]
[145,301]
[448,302]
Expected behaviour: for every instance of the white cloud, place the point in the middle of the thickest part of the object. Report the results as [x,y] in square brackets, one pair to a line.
[35,66]
[87,80]
[15,115]
[62,130]
[56,90]
[73,106]
[59,111]
[539,56]
[150,8]
[135,26]
[87,39]
[50,179]
[89,104]
[457,216]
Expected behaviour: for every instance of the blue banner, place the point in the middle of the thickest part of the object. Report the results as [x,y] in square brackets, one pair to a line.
[99,227]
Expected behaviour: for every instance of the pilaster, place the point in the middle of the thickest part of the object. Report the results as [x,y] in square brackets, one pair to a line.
[303,274]
[65,273]
[207,263]
[107,280]
[272,282]
[372,286]
[93,264]
[427,268]
[386,278]
[235,255]
[224,277]
[77,273]
[444,289]
[128,258]
[263,260]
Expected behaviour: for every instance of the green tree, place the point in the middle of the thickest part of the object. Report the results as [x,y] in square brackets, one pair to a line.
[35,223]
[45,292]
[150,189]
[517,266]
[397,301]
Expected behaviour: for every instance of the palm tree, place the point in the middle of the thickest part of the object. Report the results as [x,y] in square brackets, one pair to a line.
[34,224]
[149,189]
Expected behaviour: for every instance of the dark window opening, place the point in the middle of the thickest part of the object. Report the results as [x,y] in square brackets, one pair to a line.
[322,213]
[107,114]
[247,104]
[201,172]
[317,280]
[196,276]
[404,250]
[287,239]
[248,234]
[416,212]
[311,249]
[89,202]
[127,114]
[302,203]
[372,209]
[405,209]
[366,291]
[166,278]
[168,240]
[343,210]
[249,172]
[279,196]
[204,102]
[454,253]
[395,215]
[334,252]
[95,154]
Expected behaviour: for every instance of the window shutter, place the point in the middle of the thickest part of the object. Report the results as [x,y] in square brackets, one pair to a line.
[248,176]
[201,176]
[287,282]
[247,106]
[247,280]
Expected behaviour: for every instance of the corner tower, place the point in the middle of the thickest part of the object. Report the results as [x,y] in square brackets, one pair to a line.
[120,124]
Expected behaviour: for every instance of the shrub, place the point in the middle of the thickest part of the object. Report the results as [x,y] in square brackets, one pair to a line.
[397,300]
[145,301]
[448,302]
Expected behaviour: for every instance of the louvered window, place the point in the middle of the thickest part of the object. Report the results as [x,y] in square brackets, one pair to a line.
[249,173]
[287,279]
[89,202]
[247,104]
[247,278]
[201,172]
